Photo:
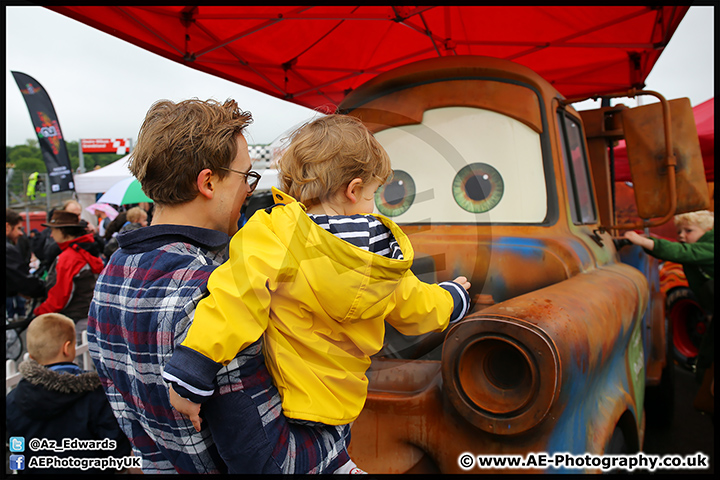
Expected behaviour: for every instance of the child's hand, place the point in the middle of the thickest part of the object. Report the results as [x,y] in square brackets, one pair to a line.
[188,409]
[640,240]
[463,282]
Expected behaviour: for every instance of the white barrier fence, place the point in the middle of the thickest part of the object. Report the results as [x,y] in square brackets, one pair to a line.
[13,377]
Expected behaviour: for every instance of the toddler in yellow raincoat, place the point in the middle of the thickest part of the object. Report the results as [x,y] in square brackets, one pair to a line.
[317,275]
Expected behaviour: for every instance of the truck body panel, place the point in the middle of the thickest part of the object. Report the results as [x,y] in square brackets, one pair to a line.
[492,180]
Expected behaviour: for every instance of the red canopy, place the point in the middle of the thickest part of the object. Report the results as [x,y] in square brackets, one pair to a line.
[705,122]
[314,56]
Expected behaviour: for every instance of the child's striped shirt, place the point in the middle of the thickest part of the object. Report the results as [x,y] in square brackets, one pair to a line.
[363,231]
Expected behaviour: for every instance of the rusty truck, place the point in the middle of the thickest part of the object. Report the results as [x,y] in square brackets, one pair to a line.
[497,177]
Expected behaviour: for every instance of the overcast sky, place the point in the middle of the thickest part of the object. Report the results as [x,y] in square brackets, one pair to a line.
[102,86]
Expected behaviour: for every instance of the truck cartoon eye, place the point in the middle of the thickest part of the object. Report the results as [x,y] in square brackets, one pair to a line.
[396,195]
[463,165]
[478,187]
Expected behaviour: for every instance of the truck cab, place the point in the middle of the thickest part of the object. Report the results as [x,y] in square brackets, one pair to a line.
[495,178]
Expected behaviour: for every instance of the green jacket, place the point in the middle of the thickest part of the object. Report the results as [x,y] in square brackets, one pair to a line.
[697,260]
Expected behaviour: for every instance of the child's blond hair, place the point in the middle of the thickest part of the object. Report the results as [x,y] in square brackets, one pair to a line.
[703,219]
[136,215]
[46,335]
[326,154]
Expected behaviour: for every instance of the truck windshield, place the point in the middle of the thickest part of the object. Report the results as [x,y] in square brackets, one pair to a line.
[463,165]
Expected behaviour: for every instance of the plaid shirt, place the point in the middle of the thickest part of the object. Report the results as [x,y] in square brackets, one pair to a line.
[143,304]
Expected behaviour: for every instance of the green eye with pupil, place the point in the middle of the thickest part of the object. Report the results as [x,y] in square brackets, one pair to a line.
[395,196]
[478,187]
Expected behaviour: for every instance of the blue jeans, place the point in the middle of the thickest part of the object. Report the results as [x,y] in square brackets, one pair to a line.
[15,305]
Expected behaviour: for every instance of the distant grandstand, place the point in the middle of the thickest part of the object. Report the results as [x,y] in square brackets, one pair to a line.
[260,153]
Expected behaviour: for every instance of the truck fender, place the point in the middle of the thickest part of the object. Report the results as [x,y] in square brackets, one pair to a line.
[586,324]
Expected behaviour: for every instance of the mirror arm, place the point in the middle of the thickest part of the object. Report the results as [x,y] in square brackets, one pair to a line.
[670,159]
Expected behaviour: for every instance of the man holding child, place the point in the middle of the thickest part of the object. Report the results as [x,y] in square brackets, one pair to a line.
[192,160]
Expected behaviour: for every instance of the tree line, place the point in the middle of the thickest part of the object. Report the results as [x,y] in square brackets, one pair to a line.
[27,158]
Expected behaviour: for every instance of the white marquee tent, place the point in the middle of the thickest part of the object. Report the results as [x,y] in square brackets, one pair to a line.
[88,185]
[100,180]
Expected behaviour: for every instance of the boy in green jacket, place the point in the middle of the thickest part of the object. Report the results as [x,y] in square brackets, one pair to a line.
[695,251]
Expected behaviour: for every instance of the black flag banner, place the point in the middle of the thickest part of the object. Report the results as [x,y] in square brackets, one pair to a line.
[48,131]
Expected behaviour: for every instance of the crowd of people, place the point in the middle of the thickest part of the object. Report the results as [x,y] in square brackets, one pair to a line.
[32,259]
[150,283]
[56,399]
[203,325]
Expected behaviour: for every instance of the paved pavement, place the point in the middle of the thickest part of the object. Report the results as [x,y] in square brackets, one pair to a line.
[690,431]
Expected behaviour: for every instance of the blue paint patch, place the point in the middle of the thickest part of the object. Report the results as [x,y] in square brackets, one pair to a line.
[520,241]
[635,256]
[527,252]
[589,395]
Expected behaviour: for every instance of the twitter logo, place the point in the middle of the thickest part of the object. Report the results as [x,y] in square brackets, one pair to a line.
[17,444]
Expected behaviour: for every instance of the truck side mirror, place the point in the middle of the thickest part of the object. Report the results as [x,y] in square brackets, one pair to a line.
[646,139]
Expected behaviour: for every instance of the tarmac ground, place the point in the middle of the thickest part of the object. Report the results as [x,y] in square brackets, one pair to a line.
[690,431]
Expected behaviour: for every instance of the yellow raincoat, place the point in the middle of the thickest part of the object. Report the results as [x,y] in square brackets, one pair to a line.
[321,304]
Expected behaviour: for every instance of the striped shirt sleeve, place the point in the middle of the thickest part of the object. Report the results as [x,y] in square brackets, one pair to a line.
[461,300]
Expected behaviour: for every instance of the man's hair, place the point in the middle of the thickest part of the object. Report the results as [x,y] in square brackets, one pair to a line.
[178,140]
[12,217]
[326,154]
[136,215]
[46,335]
[703,219]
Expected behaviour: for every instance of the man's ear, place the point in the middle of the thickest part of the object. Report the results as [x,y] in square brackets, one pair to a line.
[205,183]
[353,191]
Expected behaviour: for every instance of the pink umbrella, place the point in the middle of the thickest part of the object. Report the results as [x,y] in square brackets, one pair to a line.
[103,207]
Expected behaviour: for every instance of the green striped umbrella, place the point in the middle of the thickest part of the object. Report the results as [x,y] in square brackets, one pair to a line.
[124,192]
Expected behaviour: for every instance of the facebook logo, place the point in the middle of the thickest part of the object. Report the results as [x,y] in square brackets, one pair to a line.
[17,462]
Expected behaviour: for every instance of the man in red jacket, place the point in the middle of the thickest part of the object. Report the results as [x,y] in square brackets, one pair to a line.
[72,276]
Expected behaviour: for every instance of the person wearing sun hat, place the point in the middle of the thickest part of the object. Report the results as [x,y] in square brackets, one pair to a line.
[72,276]
[47,249]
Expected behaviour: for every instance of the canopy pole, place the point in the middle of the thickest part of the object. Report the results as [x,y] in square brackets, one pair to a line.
[81,167]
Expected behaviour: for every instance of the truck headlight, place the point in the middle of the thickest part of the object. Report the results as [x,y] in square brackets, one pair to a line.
[500,373]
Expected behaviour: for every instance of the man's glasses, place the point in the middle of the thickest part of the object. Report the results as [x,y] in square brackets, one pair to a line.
[252,178]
